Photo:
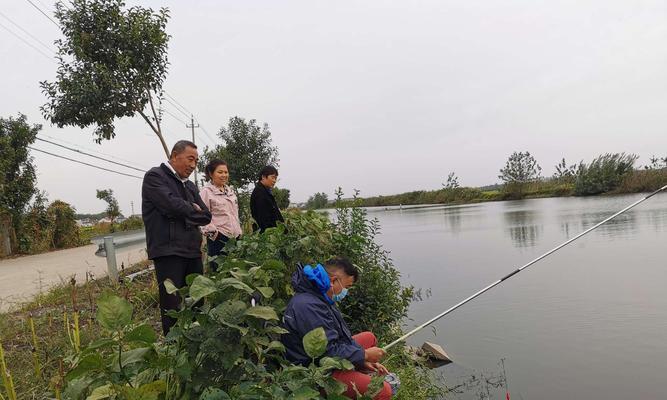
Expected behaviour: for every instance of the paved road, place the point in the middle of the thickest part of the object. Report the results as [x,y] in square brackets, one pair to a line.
[23,277]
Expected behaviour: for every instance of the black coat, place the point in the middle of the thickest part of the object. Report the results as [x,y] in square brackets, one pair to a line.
[170,219]
[264,208]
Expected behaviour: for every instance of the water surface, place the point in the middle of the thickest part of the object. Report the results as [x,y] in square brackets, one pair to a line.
[590,321]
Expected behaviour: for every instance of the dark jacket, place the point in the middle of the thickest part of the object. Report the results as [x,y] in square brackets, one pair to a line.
[170,219]
[264,208]
[309,309]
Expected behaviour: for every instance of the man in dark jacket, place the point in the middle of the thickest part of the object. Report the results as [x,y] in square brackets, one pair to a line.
[313,306]
[172,212]
[263,205]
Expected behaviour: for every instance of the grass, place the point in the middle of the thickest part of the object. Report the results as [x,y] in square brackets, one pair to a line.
[53,314]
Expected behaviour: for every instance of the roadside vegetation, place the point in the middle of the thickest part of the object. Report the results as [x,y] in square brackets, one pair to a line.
[97,339]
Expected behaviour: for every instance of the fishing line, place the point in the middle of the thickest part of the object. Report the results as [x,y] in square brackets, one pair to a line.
[516,271]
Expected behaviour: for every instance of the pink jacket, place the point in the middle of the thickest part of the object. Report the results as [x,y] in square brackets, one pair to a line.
[224,208]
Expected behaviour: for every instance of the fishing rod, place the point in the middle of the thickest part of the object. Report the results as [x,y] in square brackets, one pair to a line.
[516,271]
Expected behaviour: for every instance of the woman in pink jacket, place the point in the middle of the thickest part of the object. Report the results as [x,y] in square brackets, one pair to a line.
[221,200]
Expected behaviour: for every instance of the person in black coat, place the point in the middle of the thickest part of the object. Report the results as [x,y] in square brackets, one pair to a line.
[172,212]
[263,205]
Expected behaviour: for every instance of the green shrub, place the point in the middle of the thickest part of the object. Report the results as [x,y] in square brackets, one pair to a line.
[604,174]
[221,347]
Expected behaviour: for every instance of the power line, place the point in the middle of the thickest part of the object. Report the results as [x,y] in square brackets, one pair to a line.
[84,163]
[91,150]
[181,105]
[176,107]
[43,13]
[46,46]
[28,43]
[206,132]
[173,116]
[91,155]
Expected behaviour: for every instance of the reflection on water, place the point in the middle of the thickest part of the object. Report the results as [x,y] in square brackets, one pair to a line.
[522,227]
[622,227]
[453,219]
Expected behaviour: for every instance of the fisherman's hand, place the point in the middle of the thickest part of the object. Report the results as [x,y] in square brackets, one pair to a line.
[376,367]
[196,207]
[374,354]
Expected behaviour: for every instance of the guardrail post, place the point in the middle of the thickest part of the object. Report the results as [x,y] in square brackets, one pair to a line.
[110,250]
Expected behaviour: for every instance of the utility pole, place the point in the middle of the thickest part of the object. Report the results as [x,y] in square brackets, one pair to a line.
[193,126]
[132,206]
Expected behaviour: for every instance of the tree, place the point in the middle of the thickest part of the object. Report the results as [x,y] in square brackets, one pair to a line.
[113,211]
[17,172]
[520,169]
[247,148]
[65,230]
[604,174]
[282,197]
[564,172]
[318,200]
[112,64]
[452,181]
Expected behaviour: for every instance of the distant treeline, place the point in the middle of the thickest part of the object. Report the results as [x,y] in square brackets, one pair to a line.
[606,174]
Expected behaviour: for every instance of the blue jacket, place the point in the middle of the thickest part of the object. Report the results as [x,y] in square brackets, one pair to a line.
[310,309]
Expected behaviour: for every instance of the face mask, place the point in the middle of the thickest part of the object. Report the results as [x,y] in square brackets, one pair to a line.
[339,296]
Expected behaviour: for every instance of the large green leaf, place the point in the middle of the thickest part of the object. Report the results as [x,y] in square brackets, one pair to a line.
[201,287]
[236,284]
[315,342]
[214,394]
[267,313]
[142,333]
[266,291]
[305,393]
[130,357]
[101,392]
[169,286]
[88,363]
[149,391]
[113,312]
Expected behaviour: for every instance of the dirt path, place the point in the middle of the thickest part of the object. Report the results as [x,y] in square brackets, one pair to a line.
[23,277]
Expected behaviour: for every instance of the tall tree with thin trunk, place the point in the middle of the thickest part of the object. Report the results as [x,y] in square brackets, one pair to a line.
[112,64]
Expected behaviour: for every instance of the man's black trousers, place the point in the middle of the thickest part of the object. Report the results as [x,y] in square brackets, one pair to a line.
[176,269]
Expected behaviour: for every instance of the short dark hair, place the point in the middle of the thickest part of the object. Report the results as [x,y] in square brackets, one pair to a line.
[345,264]
[266,171]
[211,167]
[180,147]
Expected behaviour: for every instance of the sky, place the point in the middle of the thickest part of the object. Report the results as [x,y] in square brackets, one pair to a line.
[380,96]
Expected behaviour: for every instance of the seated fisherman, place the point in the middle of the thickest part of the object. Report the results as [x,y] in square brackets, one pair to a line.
[317,289]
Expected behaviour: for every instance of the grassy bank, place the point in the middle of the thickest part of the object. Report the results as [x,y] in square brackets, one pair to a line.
[645,180]
[54,315]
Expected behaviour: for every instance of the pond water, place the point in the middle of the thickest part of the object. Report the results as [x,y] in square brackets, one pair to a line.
[589,321]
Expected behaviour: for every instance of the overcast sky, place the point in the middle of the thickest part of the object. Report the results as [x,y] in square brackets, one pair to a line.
[380,96]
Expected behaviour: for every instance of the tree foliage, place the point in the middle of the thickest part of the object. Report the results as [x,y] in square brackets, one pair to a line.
[318,200]
[112,211]
[452,181]
[247,148]
[112,64]
[17,172]
[520,169]
[564,172]
[281,196]
[604,174]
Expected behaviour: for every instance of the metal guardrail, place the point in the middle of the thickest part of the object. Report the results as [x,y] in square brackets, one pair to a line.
[109,245]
